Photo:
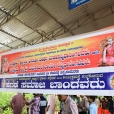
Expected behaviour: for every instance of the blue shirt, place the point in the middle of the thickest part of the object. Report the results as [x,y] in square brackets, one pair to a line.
[93,108]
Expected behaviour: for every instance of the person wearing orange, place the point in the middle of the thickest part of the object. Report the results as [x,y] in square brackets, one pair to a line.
[104,107]
[105,111]
[107,58]
[100,110]
[5,66]
[104,104]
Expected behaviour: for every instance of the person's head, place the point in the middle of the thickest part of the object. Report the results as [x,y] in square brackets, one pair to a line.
[82,96]
[109,40]
[75,96]
[91,99]
[110,98]
[23,94]
[19,93]
[103,100]
[107,100]
[62,97]
[40,95]
[106,97]
[96,97]
[5,59]
[35,94]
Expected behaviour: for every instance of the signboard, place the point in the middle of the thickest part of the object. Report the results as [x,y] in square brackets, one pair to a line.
[75,3]
[97,81]
[84,62]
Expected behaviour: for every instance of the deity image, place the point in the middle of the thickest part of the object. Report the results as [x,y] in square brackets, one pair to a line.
[112,82]
[3,83]
[5,65]
[107,52]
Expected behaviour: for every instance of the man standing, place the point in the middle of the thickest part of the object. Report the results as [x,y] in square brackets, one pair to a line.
[34,104]
[69,106]
[77,99]
[83,105]
[110,104]
[17,103]
[61,106]
[93,107]
[97,101]
[51,104]
[43,104]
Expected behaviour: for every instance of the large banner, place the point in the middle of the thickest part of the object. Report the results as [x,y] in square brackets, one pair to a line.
[76,64]
[98,81]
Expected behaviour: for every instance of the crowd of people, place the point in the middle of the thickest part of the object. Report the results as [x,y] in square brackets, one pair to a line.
[37,105]
[94,104]
[69,104]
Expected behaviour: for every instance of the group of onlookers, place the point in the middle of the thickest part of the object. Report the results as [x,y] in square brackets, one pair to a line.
[85,104]
[106,104]
[36,106]
[94,104]
[68,104]
[80,106]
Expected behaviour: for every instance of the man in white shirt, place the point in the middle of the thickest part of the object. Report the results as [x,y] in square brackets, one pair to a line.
[97,102]
[51,104]
[69,106]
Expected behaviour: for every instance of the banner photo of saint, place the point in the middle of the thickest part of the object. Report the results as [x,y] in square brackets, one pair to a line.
[4,66]
[107,52]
